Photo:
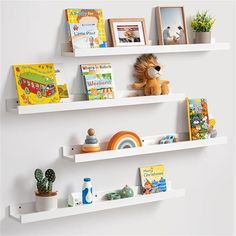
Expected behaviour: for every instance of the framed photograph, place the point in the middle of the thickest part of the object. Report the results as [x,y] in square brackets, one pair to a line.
[128,32]
[171,26]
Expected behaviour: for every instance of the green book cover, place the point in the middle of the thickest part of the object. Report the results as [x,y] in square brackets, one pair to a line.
[98,81]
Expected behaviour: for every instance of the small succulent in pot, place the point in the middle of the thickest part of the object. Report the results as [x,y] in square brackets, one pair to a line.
[201,24]
[46,199]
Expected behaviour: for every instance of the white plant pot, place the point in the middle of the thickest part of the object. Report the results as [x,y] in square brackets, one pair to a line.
[45,203]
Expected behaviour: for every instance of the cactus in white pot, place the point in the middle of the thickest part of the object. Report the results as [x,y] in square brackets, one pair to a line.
[46,199]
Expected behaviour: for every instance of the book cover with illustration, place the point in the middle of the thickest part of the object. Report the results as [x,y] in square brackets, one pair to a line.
[86,28]
[36,84]
[61,84]
[98,81]
[153,179]
[198,121]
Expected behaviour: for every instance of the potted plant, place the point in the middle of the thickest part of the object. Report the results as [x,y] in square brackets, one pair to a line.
[46,199]
[201,24]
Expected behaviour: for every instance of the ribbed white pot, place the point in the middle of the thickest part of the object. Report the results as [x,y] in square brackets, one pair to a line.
[45,203]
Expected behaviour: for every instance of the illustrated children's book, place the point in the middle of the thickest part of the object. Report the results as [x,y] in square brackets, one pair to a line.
[86,28]
[36,84]
[98,81]
[198,121]
[61,85]
[153,179]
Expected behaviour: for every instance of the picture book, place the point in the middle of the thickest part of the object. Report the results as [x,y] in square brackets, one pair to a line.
[198,121]
[86,28]
[61,85]
[153,179]
[98,81]
[36,84]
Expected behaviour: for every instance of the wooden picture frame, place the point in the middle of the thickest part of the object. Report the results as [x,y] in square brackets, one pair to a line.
[164,26]
[128,32]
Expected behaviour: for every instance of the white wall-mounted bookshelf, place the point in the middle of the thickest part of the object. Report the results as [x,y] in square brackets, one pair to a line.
[73,105]
[155,49]
[25,212]
[150,146]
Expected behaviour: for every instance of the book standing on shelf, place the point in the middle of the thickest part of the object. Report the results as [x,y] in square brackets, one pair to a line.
[86,28]
[153,179]
[98,81]
[61,84]
[36,84]
[198,121]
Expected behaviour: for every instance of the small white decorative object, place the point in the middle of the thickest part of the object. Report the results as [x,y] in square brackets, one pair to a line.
[74,199]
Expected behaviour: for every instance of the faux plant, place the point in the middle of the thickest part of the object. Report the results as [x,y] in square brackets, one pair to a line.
[202,22]
[44,184]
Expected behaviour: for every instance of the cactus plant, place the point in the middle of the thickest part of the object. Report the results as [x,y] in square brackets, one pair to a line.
[50,174]
[44,184]
[38,175]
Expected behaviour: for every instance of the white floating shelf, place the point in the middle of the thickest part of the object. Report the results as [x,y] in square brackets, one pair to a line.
[150,146]
[25,213]
[12,105]
[156,49]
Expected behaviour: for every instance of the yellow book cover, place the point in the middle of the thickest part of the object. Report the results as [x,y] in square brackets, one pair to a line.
[86,28]
[153,179]
[36,84]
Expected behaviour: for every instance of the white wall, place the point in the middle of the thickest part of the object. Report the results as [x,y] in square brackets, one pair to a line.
[32,33]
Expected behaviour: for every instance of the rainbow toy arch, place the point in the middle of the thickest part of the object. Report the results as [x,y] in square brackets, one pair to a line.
[124,139]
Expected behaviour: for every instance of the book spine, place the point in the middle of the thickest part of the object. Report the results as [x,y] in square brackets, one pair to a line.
[189,123]
[84,81]
[68,32]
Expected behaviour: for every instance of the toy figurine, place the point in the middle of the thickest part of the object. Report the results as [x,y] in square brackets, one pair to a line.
[168,139]
[127,192]
[74,199]
[91,143]
[212,133]
[113,196]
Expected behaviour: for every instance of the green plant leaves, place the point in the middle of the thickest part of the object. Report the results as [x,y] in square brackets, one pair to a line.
[202,22]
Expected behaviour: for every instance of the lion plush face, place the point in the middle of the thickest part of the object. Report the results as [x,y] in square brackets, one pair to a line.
[147,67]
[154,72]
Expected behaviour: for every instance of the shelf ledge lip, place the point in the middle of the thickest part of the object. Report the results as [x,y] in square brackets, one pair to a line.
[148,149]
[95,207]
[95,104]
[119,51]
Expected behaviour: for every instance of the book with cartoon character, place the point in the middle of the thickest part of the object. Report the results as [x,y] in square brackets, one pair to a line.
[36,84]
[198,121]
[98,81]
[86,28]
[153,179]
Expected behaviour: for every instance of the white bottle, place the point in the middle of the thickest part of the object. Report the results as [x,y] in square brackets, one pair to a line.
[87,191]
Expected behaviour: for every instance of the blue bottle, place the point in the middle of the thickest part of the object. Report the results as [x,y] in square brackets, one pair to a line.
[87,191]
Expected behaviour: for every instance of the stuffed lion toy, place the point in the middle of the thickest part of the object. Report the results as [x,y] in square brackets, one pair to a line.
[148,72]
